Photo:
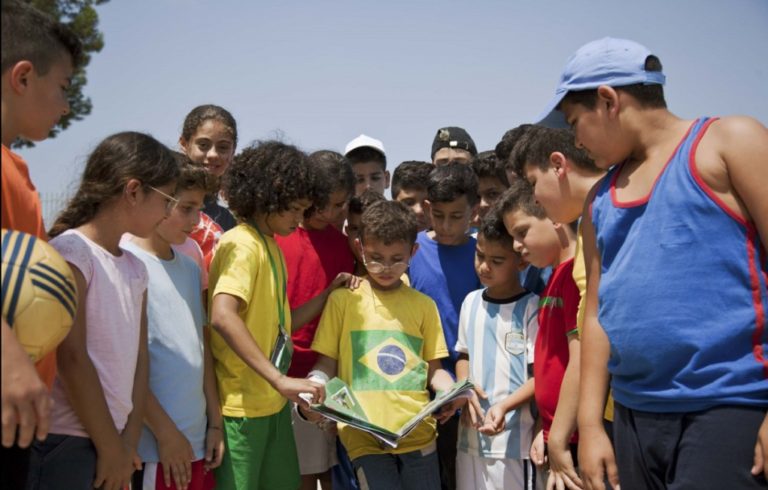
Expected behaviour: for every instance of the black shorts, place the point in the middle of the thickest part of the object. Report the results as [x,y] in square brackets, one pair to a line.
[712,449]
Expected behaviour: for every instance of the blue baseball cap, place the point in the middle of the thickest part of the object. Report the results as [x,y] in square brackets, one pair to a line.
[607,61]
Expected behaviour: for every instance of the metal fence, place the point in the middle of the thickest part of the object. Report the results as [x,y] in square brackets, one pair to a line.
[53,203]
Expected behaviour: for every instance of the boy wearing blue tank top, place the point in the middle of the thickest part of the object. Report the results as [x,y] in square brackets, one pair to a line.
[686,356]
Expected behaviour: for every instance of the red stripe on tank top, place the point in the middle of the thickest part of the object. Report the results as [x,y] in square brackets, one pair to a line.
[757,300]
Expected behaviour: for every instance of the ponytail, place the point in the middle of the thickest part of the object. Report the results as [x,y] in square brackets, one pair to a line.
[116,160]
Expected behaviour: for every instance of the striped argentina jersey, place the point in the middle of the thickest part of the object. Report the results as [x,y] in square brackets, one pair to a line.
[498,336]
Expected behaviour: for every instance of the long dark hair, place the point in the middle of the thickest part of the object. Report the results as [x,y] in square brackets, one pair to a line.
[117,159]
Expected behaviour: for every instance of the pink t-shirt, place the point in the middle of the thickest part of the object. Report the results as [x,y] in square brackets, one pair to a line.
[116,287]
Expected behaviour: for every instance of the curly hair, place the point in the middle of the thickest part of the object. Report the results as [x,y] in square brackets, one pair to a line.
[266,178]
[118,159]
[388,222]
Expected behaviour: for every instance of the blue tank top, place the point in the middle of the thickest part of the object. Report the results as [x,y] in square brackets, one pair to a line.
[682,293]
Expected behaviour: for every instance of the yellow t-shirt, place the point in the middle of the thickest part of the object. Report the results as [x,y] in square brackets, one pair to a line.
[580,277]
[241,268]
[382,341]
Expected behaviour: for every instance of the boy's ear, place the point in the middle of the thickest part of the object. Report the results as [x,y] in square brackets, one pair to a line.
[427,206]
[386,179]
[183,143]
[414,249]
[609,97]
[359,246]
[558,162]
[19,76]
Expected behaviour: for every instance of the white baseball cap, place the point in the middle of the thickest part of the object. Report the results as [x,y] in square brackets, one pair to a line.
[364,141]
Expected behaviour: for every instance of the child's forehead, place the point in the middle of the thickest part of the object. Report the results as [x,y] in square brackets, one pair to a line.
[369,167]
[495,247]
[411,192]
[517,217]
[488,181]
[190,194]
[374,245]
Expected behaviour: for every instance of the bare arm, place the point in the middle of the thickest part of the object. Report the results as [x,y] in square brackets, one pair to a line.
[132,430]
[214,437]
[303,314]
[522,395]
[595,451]
[564,423]
[744,149]
[227,322]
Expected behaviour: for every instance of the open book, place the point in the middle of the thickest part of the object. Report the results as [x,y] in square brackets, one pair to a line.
[342,406]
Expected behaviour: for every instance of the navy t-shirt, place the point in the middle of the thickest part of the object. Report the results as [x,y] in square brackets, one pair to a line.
[445,273]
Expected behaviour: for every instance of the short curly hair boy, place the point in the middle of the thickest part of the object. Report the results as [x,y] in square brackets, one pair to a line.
[266,178]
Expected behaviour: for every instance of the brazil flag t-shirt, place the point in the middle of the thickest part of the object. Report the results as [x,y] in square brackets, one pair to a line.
[382,341]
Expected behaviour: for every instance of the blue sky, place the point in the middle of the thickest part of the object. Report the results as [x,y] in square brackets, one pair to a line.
[318,73]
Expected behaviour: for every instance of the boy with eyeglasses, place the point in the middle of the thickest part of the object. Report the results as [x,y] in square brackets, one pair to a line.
[385,341]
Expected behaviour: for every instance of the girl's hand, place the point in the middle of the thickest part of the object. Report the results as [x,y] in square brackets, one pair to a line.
[495,421]
[114,467]
[214,448]
[345,279]
[176,456]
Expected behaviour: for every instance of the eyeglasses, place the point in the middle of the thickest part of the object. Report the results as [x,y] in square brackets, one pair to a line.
[170,201]
[398,268]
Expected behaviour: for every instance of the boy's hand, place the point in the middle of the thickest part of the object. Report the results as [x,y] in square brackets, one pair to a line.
[447,410]
[214,448]
[494,421]
[292,387]
[596,459]
[537,454]
[114,467]
[176,456]
[473,416]
[760,463]
[26,404]
[345,279]
[562,473]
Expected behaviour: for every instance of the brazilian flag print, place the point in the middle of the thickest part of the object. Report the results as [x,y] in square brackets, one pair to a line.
[387,360]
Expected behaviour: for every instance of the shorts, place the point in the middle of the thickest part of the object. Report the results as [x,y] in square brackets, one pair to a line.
[260,453]
[62,461]
[416,470]
[474,472]
[151,478]
[674,451]
[316,447]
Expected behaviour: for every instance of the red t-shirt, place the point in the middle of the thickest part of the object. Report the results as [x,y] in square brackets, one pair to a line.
[558,308]
[22,211]
[313,259]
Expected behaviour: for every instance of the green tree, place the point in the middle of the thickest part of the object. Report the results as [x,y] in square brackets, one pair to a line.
[81,17]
